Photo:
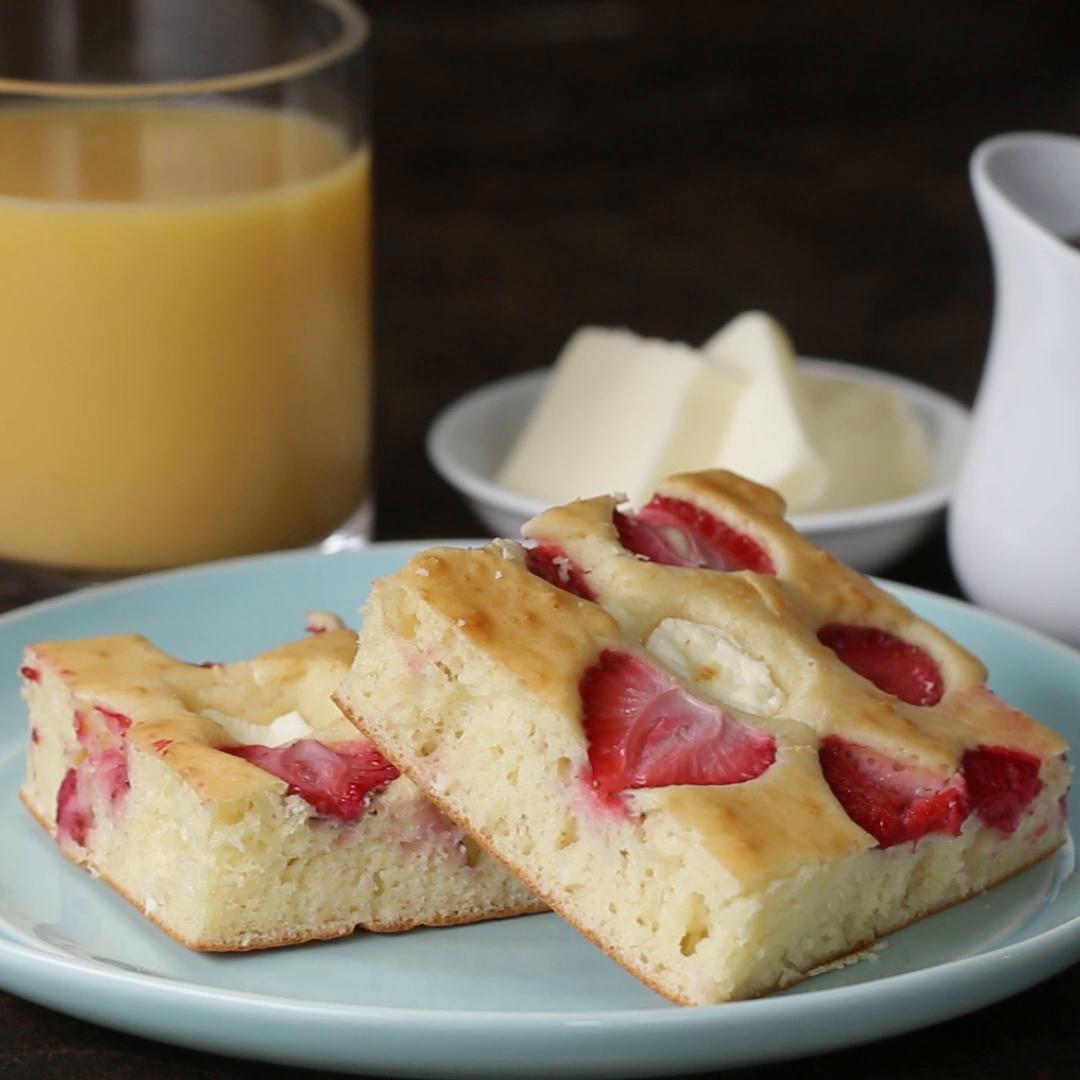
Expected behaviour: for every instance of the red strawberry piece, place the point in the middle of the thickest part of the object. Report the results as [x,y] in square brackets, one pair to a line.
[894,802]
[645,730]
[31,674]
[668,545]
[678,533]
[118,723]
[111,771]
[161,745]
[35,735]
[337,783]
[1003,783]
[73,817]
[550,562]
[893,665]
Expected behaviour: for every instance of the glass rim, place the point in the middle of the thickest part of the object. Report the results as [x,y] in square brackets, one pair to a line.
[354,31]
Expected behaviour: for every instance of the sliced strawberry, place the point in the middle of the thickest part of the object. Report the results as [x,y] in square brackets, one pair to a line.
[645,730]
[892,801]
[890,663]
[118,723]
[678,533]
[1003,783]
[31,674]
[337,783]
[110,770]
[669,545]
[550,562]
[73,816]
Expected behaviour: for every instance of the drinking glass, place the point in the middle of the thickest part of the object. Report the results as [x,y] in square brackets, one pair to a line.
[185,308]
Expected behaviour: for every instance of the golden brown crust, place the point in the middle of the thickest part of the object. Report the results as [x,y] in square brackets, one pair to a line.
[824,588]
[765,828]
[775,619]
[545,639]
[168,700]
[535,633]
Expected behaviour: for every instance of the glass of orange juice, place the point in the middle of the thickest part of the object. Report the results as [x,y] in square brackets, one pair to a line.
[185,309]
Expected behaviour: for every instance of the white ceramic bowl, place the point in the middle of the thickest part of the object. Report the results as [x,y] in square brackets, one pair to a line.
[471,438]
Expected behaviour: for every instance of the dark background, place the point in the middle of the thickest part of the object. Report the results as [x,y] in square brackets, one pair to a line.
[665,165]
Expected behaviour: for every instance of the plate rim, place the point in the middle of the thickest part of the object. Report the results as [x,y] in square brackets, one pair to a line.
[662,1015]
[1025,961]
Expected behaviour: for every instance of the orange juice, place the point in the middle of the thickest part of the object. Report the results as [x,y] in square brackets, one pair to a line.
[185,328]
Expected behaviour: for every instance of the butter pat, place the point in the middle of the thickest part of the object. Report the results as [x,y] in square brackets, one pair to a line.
[769,435]
[620,413]
[823,442]
[873,446]
[714,665]
[286,728]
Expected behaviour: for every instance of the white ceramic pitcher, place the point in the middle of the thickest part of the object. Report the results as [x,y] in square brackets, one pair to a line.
[1014,526]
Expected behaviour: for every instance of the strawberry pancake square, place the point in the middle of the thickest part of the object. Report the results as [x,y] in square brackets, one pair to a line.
[678,833]
[725,757]
[712,579]
[233,805]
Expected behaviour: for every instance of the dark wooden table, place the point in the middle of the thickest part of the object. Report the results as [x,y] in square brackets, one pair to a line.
[665,164]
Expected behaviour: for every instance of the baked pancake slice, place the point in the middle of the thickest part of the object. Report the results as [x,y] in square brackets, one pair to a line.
[712,579]
[233,805]
[723,756]
[485,684]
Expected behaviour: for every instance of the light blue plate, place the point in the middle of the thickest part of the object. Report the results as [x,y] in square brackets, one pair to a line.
[526,997]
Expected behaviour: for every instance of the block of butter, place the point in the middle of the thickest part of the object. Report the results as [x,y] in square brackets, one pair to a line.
[620,412]
[768,435]
[873,445]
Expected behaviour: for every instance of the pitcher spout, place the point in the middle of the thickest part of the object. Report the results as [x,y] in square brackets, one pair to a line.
[1029,181]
